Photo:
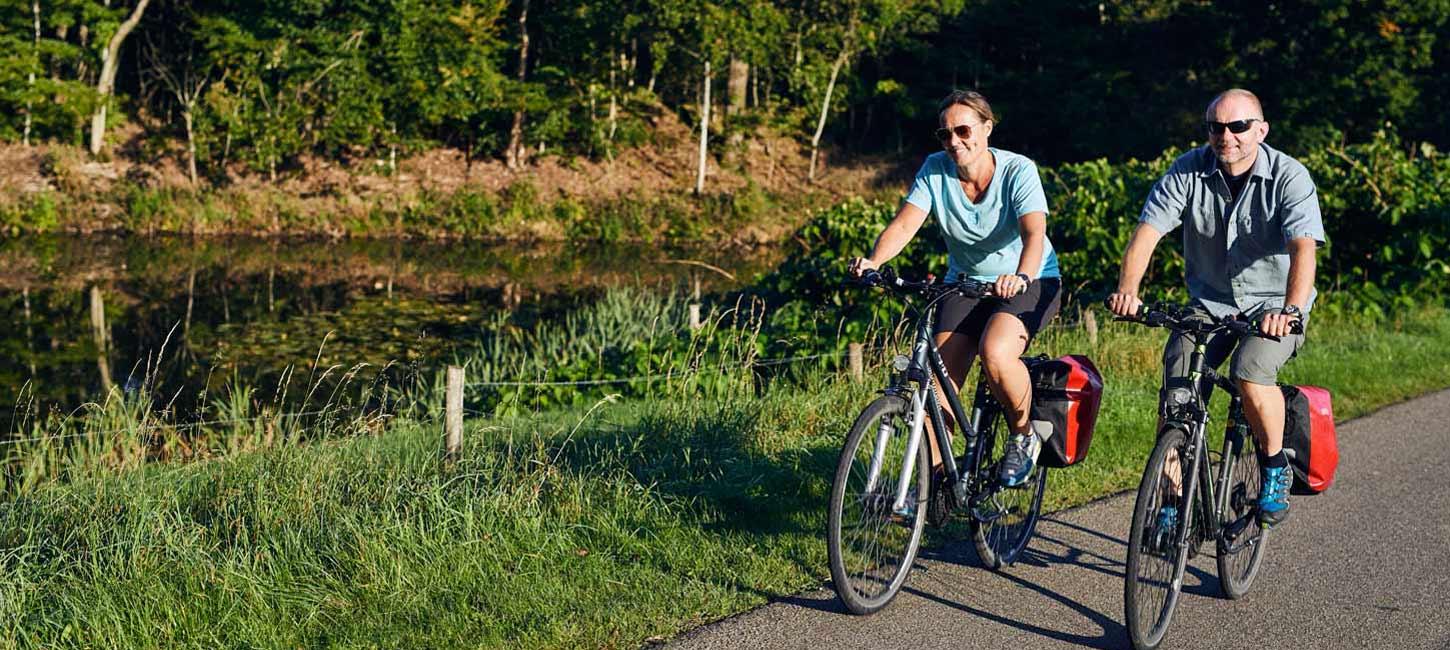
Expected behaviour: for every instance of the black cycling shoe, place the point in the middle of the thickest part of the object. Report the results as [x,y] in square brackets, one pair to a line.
[939,500]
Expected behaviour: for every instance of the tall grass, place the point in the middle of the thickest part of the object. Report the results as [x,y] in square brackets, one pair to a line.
[599,525]
[637,342]
[140,423]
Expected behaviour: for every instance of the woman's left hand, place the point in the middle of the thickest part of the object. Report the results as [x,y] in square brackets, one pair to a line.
[1008,285]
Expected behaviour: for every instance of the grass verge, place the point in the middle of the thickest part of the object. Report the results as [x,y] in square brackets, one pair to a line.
[596,527]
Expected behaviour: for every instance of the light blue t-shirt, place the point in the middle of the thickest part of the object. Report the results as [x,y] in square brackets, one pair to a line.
[982,238]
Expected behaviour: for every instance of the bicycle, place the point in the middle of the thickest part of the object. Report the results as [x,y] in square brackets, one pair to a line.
[1224,510]
[876,516]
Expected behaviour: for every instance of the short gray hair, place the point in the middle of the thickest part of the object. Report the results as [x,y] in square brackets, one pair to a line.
[1236,92]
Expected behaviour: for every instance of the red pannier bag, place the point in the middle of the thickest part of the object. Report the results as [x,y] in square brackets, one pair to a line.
[1066,394]
[1309,438]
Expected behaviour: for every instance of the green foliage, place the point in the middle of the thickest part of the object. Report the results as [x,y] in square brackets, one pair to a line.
[636,342]
[1094,209]
[814,306]
[280,80]
[1386,212]
[37,213]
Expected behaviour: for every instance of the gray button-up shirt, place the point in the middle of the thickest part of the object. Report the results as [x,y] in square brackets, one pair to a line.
[1236,252]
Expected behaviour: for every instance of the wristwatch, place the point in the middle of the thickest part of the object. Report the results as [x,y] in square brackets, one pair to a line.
[1025,280]
[1293,310]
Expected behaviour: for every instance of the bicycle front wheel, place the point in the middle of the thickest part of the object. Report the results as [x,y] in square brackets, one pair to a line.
[1003,518]
[1156,561]
[1239,558]
[872,544]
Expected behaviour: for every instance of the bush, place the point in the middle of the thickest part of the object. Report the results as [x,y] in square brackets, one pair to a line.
[1386,213]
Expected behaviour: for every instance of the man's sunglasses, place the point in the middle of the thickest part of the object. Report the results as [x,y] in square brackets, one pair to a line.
[1235,127]
[963,131]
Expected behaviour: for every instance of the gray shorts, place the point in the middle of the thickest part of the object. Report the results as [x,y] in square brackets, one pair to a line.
[1256,360]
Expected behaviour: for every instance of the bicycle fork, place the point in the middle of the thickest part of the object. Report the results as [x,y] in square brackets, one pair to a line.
[1194,475]
[913,444]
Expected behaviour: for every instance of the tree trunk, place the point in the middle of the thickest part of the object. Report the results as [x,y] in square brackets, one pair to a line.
[825,110]
[30,79]
[737,85]
[613,102]
[514,155]
[704,130]
[29,333]
[102,336]
[190,299]
[107,80]
[631,66]
[186,116]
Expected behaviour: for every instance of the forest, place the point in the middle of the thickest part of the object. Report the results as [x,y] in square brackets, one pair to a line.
[231,87]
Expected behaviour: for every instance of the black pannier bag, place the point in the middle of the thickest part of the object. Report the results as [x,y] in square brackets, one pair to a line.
[1066,394]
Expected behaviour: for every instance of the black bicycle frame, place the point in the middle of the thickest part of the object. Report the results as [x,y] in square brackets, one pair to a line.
[925,354]
[1194,418]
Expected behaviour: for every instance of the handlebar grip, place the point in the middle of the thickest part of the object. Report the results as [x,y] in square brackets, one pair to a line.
[1138,315]
[871,278]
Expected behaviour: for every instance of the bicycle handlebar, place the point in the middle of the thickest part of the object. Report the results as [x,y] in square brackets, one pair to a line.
[887,278]
[1173,317]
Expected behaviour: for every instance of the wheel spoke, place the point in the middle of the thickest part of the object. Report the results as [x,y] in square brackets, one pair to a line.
[1154,556]
[870,545]
[1002,537]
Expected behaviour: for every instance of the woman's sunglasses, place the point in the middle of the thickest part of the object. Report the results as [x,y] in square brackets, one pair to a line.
[963,131]
[1235,127]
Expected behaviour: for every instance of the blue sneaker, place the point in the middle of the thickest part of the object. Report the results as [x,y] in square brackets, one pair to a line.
[1163,529]
[1274,495]
[1020,459]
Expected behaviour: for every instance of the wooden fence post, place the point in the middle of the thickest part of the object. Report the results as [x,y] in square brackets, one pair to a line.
[695,316]
[1090,323]
[453,433]
[853,352]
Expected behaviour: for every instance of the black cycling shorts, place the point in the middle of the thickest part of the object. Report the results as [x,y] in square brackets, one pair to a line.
[1034,307]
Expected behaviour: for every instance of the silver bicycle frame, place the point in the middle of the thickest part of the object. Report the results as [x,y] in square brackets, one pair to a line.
[918,421]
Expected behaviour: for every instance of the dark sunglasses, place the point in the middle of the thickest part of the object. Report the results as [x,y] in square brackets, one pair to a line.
[963,131]
[1235,127]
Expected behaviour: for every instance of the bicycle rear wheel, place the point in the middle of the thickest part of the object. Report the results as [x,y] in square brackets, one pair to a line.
[871,547]
[1238,564]
[1003,518]
[1156,561]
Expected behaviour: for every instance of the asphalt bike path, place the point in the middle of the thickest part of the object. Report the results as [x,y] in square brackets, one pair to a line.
[1364,565]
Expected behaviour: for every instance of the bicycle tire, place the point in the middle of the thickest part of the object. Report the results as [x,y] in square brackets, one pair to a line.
[1001,540]
[1153,565]
[871,558]
[1239,483]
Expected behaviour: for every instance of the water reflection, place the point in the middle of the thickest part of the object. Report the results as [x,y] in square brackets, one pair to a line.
[84,313]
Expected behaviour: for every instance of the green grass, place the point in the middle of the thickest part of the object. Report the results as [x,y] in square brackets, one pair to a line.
[594,527]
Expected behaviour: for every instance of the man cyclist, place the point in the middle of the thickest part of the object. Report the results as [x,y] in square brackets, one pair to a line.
[1251,225]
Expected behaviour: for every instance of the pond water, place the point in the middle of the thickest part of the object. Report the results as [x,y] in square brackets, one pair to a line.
[82,314]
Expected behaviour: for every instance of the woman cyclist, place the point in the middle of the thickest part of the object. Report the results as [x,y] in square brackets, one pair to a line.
[992,213]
